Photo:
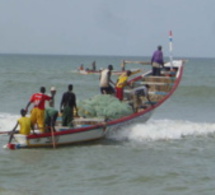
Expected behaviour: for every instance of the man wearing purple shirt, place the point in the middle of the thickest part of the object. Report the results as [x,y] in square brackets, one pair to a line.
[157,61]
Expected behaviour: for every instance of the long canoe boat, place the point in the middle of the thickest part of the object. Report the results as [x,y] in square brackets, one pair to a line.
[89,129]
[114,72]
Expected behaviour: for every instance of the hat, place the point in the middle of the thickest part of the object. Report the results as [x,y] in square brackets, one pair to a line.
[53,89]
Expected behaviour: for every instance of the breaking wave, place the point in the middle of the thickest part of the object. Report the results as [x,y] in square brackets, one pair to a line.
[7,121]
[166,129]
[152,130]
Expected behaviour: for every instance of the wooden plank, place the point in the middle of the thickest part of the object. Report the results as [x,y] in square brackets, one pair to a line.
[153,83]
[137,62]
[89,119]
[150,92]
[159,77]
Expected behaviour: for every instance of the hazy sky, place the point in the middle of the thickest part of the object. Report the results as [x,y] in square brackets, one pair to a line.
[107,27]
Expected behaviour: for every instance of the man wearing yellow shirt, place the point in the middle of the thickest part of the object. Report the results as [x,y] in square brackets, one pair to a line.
[121,83]
[24,124]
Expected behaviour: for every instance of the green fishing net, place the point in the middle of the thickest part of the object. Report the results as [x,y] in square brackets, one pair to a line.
[103,106]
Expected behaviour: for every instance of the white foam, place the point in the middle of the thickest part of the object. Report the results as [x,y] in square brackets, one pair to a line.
[152,130]
[163,130]
[7,121]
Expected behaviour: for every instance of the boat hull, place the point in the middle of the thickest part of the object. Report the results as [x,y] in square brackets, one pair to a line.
[66,137]
[72,136]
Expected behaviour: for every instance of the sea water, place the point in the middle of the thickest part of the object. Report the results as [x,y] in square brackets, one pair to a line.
[173,153]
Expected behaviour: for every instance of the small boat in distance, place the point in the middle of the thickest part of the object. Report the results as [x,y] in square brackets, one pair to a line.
[94,128]
[87,71]
[114,72]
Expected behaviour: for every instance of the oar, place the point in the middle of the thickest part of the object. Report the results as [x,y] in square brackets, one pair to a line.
[11,135]
[4,132]
[53,137]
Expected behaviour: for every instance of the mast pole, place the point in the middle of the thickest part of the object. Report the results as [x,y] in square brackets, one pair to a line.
[170,49]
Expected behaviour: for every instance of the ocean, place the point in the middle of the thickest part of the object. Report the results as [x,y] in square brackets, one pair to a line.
[172,153]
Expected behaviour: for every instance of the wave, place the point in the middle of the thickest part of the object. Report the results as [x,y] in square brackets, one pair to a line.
[7,121]
[155,130]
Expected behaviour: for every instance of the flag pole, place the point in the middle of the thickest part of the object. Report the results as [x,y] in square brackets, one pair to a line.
[170,49]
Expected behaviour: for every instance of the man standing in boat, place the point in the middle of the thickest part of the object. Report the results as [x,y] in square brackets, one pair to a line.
[37,113]
[81,67]
[123,65]
[157,61]
[94,66]
[68,106]
[121,83]
[105,81]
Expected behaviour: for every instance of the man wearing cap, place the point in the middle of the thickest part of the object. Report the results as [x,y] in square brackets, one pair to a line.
[157,61]
[51,113]
[105,80]
[37,113]
[53,92]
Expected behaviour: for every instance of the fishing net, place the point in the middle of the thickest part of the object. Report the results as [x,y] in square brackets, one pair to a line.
[103,106]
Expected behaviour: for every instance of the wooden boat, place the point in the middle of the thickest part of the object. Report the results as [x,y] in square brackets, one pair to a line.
[114,72]
[89,129]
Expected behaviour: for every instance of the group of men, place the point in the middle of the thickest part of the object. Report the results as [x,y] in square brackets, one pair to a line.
[106,83]
[45,117]
[122,81]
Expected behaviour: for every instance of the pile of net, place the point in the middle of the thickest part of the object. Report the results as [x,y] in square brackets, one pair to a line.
[105,106]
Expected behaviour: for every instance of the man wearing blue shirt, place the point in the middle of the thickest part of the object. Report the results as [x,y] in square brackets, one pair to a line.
[157,61]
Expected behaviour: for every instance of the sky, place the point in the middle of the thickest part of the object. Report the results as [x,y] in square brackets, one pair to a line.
[107,27]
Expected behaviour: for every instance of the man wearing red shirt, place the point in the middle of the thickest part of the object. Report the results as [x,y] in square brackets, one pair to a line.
[37,113]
